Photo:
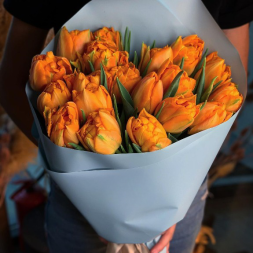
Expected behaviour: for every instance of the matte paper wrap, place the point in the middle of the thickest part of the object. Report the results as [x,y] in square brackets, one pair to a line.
[132,198]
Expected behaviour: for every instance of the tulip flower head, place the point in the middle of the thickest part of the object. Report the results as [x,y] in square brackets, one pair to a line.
[157,57]
[212,114]
[215,66]
[101,132]
[228,95]
[55,95]
[147,132]
[148,93]
[62,125]
[167,72]
[110,34]
[191,48]
[71,43]
[46,69]
[128,75]
[177,113]
[92,98]
[104,52]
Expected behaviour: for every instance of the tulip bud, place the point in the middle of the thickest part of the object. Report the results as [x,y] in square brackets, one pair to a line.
[56,94]
[148,93]
[212,114]
[191,48]
[128,75]
[228,95]
[177,113]
[71,43]
[167,72]
[215,66]
[46,69]
[101,132]
[147,132]
[62,125]
[92,98]
[157,57]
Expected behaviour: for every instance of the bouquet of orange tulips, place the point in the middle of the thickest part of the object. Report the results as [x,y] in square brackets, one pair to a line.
[95,99]
[127,129]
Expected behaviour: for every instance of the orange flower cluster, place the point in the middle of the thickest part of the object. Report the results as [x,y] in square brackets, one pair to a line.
[94,98]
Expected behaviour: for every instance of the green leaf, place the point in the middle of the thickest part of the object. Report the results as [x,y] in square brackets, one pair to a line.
[160,110]
[117,152]
[202,106]
[136,148]
[136,61]
[199,65]
[91,66]
[84,116]
[182,64]
[146,69]
[153,45]
[172,138]
[129,42]
[196,86]
[208,91]
[127,101]
[115,107]
[201,83]
[124,93]
[216,85]
[75,146]
[172,90]
[122,149]
[103,77]
[125,39]
[130,149]
[127,140]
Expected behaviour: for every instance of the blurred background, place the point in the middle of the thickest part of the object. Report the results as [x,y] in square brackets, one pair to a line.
[228,222]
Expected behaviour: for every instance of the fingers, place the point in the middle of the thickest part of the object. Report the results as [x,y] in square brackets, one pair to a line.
[164,240]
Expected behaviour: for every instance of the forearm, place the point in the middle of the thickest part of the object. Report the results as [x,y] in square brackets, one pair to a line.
[239,37]
[23,42]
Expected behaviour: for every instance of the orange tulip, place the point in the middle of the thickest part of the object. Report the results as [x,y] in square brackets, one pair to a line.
[228,95]
[213,114]
[71,43]
[56,94]
[92,98]
[167,72]
[190,48]
[102,52]
[101,132]
[147,132]
[215,66]
[178,113]
[128,75]
[109,34]
[156,55]
[62,125]
[46,69]
[148,93]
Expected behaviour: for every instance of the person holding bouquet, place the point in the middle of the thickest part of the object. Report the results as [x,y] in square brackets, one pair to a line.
[67,230]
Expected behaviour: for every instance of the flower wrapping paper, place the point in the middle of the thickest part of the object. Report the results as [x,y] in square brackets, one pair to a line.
[132,198]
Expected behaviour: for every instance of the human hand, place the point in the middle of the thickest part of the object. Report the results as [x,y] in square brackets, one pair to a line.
[164,240]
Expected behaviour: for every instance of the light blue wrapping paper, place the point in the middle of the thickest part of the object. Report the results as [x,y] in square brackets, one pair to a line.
[132,198]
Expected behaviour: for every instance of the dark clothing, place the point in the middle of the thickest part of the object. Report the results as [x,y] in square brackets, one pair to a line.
[48,14]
